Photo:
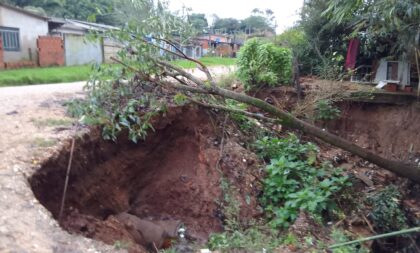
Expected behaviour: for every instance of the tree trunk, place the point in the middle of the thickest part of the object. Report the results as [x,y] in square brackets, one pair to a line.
[403,169]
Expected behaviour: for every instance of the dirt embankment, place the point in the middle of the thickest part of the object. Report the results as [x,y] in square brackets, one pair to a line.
[171,175]
[389,130]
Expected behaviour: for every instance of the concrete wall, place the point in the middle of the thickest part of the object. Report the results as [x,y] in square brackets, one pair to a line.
[29,29]
[79,51]
[403,72]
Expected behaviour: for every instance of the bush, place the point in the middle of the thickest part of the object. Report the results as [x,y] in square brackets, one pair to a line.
[326,111]
[386,214]
[294,182]
[262,63]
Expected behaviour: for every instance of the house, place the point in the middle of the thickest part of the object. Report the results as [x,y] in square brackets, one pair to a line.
[29,40]
[388,72]
[220,45]
[19,31]
[79,49]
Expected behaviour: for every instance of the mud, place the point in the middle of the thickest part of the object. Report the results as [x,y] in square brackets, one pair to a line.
[171,175]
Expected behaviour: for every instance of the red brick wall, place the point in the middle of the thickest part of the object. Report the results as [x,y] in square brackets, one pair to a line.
[50,51]
[1,54]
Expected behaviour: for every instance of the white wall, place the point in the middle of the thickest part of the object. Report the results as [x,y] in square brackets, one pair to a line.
[403,72]
[29,29]
[81,51]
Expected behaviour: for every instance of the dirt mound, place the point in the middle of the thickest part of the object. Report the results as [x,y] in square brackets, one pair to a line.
[170,175]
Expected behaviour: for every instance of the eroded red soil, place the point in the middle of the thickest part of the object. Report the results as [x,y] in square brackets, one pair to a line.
[171,175]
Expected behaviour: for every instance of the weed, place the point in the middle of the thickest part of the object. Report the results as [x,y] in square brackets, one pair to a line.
[254,239]
[386,213]
[230,206]
[340,237]
[51,122]
[326,111]
[294,182]
[44,143]
[227,80]
[119,245]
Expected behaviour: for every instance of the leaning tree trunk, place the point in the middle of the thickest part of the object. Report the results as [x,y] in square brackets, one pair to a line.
[407,170]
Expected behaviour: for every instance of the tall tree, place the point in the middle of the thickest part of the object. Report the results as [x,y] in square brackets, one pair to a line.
[198,21]
[227,25]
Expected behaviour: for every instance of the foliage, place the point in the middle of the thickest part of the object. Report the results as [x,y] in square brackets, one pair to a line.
[397,20]
[261,63]
[295,39]
[340,237]
[198,21]
[254,239]
[294,182]
[332,67]
[227,80]
[226,25]
[209,61]
[44,75]
[76,9]
[324,38]
[386,214]
[326,111]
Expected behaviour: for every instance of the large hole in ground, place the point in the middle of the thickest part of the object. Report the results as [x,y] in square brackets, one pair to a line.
[171,176]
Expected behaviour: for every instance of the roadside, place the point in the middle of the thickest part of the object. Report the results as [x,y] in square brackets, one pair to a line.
[68,74]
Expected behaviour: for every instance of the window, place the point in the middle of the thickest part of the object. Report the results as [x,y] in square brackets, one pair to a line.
[10,38]
[392,71]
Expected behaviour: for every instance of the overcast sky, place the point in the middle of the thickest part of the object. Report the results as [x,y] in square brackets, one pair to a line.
[286,11]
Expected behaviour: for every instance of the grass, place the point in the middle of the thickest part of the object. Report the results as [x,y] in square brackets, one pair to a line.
[80,73]
[44,143]
[208,61]
[44,75]
[52,122]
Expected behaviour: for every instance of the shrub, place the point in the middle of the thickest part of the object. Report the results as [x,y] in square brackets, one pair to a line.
[326,111]
[294,182]
[262,63]
[386,213]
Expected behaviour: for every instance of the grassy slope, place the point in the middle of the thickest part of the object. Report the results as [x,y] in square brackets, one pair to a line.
[80,73]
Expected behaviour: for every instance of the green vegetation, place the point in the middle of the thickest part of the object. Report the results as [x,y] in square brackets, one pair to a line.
[44,143]
[52,122]
[326,111]
[264,64]
[208,61]
[294,182]
[339,236]
[44,75]
[253,237]
[386,214]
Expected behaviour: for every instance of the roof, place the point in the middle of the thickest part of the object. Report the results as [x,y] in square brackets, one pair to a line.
[29,13]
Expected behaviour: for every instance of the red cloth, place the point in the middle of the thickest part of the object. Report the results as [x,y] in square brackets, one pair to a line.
[352,53]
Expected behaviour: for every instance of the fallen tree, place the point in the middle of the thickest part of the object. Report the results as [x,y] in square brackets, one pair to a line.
[145,62]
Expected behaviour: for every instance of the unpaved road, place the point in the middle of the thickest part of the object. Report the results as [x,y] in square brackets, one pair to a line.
[33,126]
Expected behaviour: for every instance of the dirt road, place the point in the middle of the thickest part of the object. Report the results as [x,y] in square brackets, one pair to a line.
[33,127]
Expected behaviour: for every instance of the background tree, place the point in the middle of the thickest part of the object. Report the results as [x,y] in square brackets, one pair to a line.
[226,25]
[198,21]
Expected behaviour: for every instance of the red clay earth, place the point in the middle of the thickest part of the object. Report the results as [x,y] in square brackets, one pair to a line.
[171,175]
